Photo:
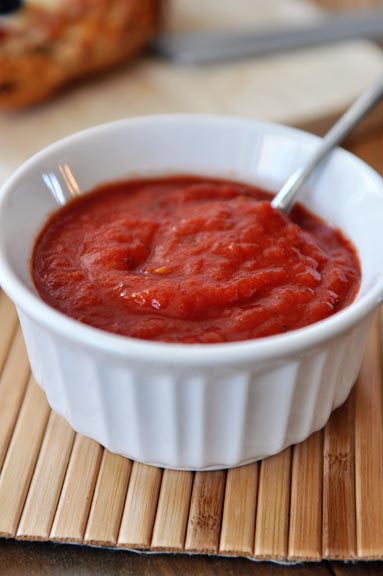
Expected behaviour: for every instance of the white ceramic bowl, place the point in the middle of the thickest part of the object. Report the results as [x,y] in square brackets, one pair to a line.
[184,405]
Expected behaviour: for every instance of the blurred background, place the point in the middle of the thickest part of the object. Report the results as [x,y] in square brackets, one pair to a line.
[306,87]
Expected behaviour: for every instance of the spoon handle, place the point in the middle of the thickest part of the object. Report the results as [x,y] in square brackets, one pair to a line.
[287,194]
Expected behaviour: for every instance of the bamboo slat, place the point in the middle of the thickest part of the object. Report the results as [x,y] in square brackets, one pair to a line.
[172,511]
[369,450]
[306,500]
[13,382]
[272,525]
[339,530]
[140,507]
[8,323]
[47,481]
[204,523]
[76,496]
[240,502]
[21,458]
[108,500]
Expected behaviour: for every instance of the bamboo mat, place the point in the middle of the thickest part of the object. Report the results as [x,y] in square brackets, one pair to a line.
[320,499]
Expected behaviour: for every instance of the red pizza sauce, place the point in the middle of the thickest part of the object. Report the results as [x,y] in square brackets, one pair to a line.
[191,259]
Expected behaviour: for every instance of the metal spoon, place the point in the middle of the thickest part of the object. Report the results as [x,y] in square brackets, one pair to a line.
[289,191]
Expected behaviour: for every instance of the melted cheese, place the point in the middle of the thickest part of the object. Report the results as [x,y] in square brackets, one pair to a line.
[48,4]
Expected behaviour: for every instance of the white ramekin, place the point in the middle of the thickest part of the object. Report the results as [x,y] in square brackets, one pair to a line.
[178,405]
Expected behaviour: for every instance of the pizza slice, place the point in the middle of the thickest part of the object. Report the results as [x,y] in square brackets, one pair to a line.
[45,44]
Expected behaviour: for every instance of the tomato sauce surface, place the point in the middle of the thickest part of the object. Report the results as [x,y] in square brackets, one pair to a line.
[191,259]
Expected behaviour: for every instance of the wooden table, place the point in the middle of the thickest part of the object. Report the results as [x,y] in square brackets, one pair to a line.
[36,559]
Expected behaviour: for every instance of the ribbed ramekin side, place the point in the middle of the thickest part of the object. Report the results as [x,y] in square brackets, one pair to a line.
[324,381]
[194,417]
[349,369]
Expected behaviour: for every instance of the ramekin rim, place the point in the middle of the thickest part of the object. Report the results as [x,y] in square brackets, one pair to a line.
[280,345]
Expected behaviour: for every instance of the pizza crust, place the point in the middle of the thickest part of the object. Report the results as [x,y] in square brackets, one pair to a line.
[43,49]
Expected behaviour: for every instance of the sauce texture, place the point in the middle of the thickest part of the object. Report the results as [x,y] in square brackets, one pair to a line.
[191,259]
